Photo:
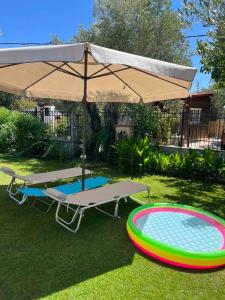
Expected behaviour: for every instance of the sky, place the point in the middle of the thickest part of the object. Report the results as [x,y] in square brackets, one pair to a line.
[38,21]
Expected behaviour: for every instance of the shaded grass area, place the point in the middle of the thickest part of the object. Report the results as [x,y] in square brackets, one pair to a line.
[39,259]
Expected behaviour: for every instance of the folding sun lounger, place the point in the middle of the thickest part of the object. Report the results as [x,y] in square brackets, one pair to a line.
[67,189]
[36,179]
[92,199]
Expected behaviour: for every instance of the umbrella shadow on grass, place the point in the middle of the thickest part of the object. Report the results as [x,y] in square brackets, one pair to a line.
[39,258]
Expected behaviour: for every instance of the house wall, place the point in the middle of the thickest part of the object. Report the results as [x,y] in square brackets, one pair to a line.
[194,131]
[216,127]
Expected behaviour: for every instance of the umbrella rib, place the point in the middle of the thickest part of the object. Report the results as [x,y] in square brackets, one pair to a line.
[43,77]
[47,63]
[124,82]
[109,73]
[98,71]
[153,75]
[78,73]
[62,70]
[10,65]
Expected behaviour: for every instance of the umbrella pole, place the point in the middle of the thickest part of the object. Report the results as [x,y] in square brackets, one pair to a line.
[85,117]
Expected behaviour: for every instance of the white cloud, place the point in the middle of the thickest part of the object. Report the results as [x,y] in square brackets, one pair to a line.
[1,32]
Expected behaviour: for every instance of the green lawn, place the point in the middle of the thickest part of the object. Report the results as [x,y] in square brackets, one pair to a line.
[39,259]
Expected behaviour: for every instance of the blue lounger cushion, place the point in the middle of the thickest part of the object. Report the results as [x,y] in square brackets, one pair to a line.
[69,188]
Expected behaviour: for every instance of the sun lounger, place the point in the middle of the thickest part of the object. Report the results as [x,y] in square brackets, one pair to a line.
[37,179]
[39,194]
[92,199]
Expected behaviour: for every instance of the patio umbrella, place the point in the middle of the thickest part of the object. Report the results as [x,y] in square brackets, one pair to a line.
[86,72]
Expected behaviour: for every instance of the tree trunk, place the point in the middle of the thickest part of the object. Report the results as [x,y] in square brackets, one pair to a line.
[95,119]
[110,115]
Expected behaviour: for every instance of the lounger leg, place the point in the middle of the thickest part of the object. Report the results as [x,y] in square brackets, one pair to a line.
[20,202]
[50,207]
[80,211]
[115,214]
[63,220]
[13,194]
[48,204]
[10,185]
[65,224]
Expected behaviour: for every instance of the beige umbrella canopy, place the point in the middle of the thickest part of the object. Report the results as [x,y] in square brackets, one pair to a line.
[86,72]
[58,72]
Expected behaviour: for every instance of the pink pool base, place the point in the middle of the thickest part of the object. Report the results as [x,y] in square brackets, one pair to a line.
[169,262]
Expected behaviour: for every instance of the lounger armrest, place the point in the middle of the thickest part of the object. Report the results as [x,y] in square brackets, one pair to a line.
[8,171]
[56,195]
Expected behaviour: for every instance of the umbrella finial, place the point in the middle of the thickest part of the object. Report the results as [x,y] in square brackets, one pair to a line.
[87,46]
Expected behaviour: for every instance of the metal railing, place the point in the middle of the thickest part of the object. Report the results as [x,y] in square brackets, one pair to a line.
[193,128]
[63,125]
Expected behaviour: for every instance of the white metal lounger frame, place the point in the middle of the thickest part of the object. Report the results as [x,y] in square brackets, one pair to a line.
[12,193]
[78,212]
[46,202]
[49,202]
[34,179]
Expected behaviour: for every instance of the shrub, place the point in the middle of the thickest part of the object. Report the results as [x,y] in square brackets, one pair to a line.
[62,127]
[133,154]
[98,145]
[138,156]
[145,119]
[55,150]
[31,135]
[212,163]
[7,136]
[22,133]
[4,115]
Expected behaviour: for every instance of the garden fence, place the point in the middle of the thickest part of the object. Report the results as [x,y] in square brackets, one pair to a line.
[64,126]
[192,128]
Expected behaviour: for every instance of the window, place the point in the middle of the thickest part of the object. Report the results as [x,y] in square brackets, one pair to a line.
[195,115]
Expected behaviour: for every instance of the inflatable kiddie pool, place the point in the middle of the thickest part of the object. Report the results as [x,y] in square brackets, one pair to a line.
[179,235]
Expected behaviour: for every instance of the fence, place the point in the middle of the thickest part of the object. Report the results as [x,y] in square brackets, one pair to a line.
[64,126]
[193,128]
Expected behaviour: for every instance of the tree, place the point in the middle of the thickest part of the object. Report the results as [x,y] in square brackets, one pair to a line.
[143,27]
[7,100]
[218,101]
[211,13]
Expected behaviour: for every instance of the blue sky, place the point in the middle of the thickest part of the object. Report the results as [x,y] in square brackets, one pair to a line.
[38,21]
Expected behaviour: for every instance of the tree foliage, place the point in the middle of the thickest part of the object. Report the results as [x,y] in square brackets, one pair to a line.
[7,100]
[211,13]
[12,101]
[144,27]
[218,101]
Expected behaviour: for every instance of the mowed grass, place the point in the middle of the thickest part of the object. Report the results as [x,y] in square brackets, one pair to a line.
[39,259]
